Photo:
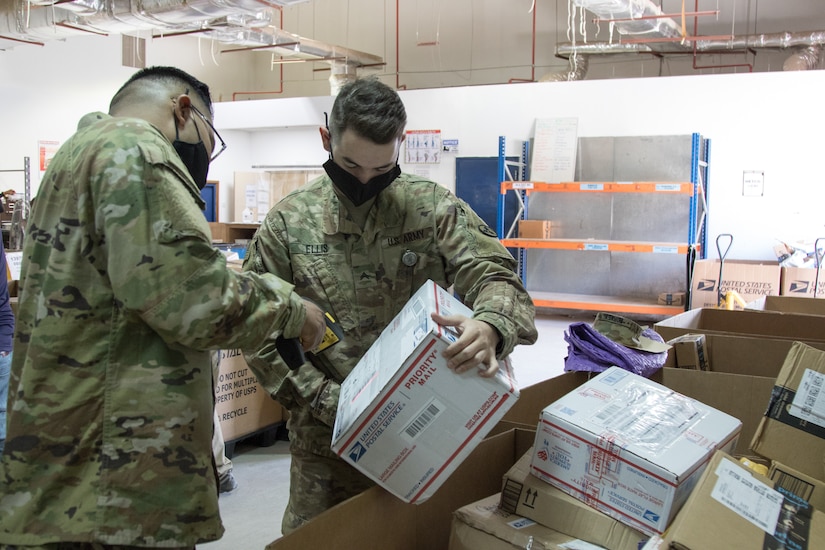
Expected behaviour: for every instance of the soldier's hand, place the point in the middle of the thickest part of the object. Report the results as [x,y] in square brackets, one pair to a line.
[475,347]
[314,326]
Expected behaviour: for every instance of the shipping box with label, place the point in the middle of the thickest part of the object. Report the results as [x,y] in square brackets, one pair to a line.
[734,507]
[526,495]
[629,447]
[406,420]
[793,428]
[243,406]
[750,279]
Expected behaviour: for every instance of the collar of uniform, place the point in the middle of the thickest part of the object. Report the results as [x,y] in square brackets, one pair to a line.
[387,210]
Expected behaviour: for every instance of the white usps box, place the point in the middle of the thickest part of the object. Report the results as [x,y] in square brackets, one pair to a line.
[629,447]
[404,419]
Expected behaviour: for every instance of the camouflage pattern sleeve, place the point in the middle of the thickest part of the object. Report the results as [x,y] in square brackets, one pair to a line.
[169,272]
[483,272]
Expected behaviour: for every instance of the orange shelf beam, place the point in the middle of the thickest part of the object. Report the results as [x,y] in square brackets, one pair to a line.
[684,188]
[598,246]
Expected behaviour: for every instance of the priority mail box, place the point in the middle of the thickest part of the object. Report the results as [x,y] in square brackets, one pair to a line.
[750,279]
[793,428]
[524,494]
[735,507]
[481,525]
[629,447]
[406,420]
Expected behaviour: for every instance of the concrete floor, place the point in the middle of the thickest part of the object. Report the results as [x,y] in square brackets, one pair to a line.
[252,513]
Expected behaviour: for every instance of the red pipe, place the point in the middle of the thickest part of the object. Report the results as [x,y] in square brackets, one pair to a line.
[696,33]
[398,86]
[281,89]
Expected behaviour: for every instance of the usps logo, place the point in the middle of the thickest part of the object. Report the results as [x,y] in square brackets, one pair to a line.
[706,285]
[650,516]
[357,452]
[799,286]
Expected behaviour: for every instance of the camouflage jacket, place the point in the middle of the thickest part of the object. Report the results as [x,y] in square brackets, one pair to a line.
[416,230]
[110,399]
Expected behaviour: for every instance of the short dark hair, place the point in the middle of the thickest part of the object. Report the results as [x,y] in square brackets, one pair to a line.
[370,108]
[166,75]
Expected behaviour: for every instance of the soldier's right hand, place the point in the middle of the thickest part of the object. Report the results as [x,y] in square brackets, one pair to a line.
[314,326]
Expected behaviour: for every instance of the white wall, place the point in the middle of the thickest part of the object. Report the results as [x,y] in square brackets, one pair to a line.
[756,121]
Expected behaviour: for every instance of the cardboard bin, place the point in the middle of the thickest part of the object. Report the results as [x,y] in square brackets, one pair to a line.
[535,229]
[629,447]
[773,324]
[788,304]
[734,507]
[243,405]
[404,419]
[793,428]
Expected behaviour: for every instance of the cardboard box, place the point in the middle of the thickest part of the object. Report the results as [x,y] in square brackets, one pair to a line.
[690,351]
[734,507]
[535,229]
[788,304]
[243,406]
[481,525]
[671,298]
[793,428]
[791,480]
[751,279]
[629,447]
[801,281]
[773,324]
[406,420]
[526,495]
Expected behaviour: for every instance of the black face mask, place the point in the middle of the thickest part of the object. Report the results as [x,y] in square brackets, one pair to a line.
[194,156]
[358,192]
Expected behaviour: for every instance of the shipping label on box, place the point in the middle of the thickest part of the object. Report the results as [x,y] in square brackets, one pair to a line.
[801,281]
[406,420]
[526,495]
[734,507]
[793,428]
[629,447]
[243,406]
[751,280]
[791,480]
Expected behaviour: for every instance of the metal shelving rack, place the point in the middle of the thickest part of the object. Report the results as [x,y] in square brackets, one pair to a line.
[691,194]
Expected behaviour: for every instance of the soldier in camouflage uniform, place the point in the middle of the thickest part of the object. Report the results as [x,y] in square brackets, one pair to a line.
[121,296]
[359,242]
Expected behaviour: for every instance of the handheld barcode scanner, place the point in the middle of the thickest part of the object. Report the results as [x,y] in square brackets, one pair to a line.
[292,352]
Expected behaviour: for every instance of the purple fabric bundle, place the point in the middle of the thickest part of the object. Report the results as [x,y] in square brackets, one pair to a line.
[589,350]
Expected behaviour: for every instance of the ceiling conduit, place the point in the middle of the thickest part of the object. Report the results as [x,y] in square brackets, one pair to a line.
[807,45]
[236,22]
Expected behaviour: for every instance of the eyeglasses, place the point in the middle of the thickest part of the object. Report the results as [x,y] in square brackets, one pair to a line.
[215,132]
